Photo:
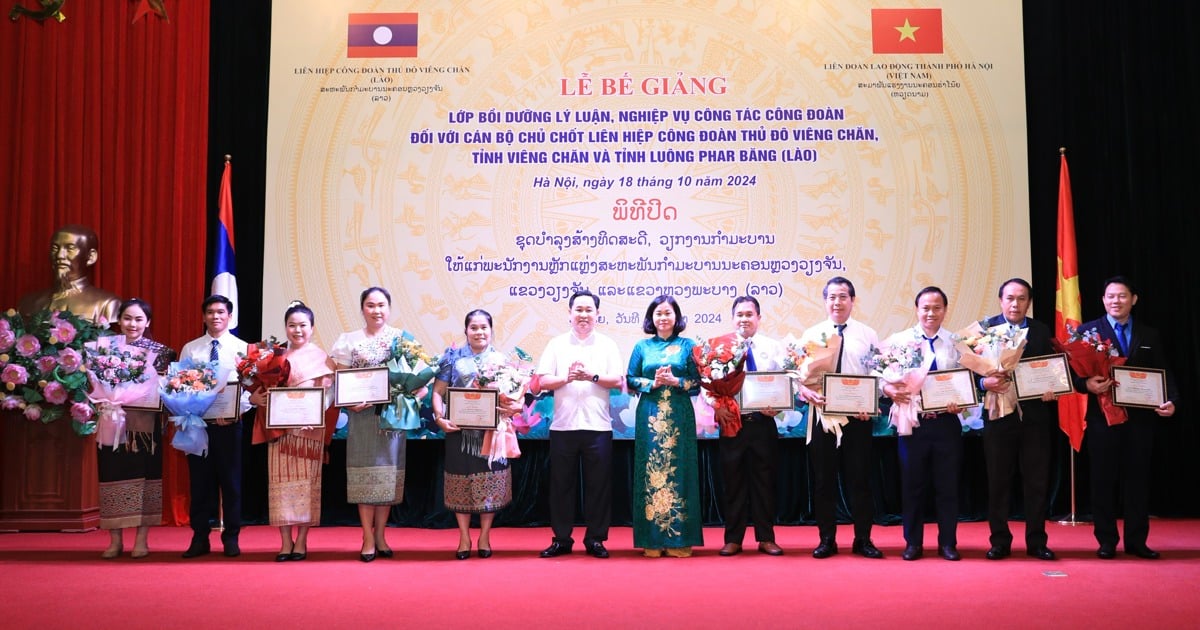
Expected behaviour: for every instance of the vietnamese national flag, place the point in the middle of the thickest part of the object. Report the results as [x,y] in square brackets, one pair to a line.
[381,35]
[1067,307]
[911,31]
[224,280]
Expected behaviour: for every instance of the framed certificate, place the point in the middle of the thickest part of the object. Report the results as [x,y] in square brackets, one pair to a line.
[228,404]
[851,394]
[295,407]
[471,408]
[1035,376]
[765,390]
[149,402]
[360,386]
[1139,386]
[944,387]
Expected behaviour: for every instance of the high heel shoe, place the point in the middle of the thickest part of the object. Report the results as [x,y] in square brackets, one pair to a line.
[111,552]
[297,556]
[484,553]
[367,557]
[283,557]
[385,553]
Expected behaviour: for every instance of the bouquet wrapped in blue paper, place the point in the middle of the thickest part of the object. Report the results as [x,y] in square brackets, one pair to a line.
[410,369]
[188,390]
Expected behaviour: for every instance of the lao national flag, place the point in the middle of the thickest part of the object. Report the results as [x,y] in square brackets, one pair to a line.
[911,31]
[381,35]
[224,280]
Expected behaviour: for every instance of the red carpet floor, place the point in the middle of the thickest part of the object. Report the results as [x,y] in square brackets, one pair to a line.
[59,581]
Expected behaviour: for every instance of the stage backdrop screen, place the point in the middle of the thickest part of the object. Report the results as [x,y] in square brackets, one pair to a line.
[500,155]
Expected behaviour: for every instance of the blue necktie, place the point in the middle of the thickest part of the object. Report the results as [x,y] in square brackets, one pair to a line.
[841,348]
[214,355]
[933,366]
[1120,328]
[750,367]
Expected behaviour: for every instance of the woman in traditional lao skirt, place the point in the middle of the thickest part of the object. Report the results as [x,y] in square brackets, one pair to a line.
[294,456]
[374,457]
[666,485]
[471,484]
[131,475]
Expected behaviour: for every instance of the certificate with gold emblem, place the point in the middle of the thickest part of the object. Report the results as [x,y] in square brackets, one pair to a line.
[1139,387]
[946,387]
[228,404]
[766,390]
[471,408]
[851,394]
[295,407]
[360,386]
[1035,376]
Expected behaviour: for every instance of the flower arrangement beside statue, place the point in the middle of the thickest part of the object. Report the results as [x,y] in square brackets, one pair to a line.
[42,372]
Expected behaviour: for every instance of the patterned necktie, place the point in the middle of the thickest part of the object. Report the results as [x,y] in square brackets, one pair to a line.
[933,366]
[1120,328]
[213,354]
[750,366]
[841,347]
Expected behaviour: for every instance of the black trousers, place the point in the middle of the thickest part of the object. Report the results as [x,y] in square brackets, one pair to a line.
[220,470]
[749,461]
[931,458]
[1010,443]
[1120,458]
[855,455]
[569,451]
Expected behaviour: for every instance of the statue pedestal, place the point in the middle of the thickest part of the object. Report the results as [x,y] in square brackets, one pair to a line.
[48,479]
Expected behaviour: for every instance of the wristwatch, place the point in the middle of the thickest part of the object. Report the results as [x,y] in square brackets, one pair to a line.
[595,378]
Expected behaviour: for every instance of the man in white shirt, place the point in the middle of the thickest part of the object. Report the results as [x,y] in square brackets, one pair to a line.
[930,458]
[580,367]
[857,340]
[750,458]
[221,468]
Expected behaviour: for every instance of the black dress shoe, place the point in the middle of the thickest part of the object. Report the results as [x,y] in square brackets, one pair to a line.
[556,549]
[1144,553]
[949,552]
[998,552]
[197,549]
[485,553]
[912,552]
[297,556]
[462,555]
[1106,552]
[730,549]
[824,550]
[232,550]
[283,557]
[367,557]
[1041,553]
[384,553]
[596,549]
[866,549]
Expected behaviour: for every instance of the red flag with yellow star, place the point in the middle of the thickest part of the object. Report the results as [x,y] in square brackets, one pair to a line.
[901,31]
[1067,308]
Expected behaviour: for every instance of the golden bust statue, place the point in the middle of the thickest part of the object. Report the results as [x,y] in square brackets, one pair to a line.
[73,251]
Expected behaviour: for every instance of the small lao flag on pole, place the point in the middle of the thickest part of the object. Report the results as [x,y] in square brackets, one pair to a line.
[906,31]
[381,35]
[224,281]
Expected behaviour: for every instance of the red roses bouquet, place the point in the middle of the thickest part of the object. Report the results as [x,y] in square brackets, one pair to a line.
[720,361]
[264,366]
[1091,355]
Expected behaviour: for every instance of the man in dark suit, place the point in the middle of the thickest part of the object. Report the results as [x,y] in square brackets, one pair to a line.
[1021,438]
[1122,452]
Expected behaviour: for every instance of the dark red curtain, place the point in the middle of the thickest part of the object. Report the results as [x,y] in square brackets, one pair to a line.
[104,122]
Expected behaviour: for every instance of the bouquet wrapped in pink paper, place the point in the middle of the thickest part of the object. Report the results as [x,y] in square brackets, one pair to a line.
[119,374]
[1091,355]
[512,377]
[907,363]
[984,351]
